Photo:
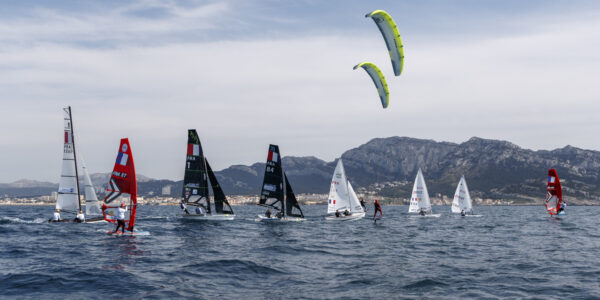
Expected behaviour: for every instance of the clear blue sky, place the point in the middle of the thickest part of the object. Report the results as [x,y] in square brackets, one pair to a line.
[250,73]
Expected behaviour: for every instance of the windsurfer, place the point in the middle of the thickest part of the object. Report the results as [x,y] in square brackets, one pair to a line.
[80,218]
[56,217]
[363,204]
[121,218]
[562,207]
[377,209]
[337,213]
[268,213]
[182,205]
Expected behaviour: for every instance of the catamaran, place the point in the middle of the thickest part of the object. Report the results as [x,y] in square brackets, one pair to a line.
[462,202]
[272,194]
[554,200]
[342,198]
[195,186]
[122,189]
[419,201]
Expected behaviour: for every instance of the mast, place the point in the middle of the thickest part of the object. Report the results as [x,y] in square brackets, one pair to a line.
[75,158]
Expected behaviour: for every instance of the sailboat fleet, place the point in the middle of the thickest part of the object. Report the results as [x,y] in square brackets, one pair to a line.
[277,196]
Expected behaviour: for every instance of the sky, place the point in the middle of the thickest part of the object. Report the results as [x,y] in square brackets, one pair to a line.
[249,73]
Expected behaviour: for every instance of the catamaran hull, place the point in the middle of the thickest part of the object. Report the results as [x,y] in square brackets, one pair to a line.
[128,233]
[354,216]
[95,220]
[226,217]
[427,215]
[262,218]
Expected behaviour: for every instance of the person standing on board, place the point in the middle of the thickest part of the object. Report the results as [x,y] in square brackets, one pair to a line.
[56,217]
[377,208]
[121,218]
[80,218]
[362,203]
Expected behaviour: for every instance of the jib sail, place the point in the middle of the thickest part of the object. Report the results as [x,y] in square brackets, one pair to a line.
[292,207]
[122,187]
[219,196]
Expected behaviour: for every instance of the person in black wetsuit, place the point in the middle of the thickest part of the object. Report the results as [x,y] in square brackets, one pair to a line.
[268,213]
[279,214]
[347,212]
[462,213]
[422,212]
[337,213]
[363,204]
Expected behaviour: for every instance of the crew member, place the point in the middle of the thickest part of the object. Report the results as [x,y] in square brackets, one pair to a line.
[347,212]
[377,208]
[121,218]
[199,211]
[279,214]
[56,217]
[362,203]
[184,208]
[422,212]
[337,213]
[268,213]
[80,218]
[462,213]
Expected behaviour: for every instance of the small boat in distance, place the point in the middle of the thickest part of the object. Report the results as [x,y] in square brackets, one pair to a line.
[462,202]
[198,174]
[554,200]
[419,200]
[343,202]
[272,193]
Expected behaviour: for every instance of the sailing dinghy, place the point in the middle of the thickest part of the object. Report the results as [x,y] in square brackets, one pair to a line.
[554,199]
[198,174]
[419,201]
[272,193]
[122,188]
[342,197]
[462,202]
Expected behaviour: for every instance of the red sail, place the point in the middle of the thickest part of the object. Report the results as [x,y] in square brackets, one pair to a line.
[554,192]
[122,183]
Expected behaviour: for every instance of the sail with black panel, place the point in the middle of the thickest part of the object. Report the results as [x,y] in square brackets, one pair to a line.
[292,206]
[219,196]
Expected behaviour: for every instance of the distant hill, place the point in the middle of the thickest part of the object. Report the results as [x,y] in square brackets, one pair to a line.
[494,169]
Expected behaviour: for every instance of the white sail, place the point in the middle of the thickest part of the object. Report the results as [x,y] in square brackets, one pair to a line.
[68,194]
[338,191]
[354,202]
[92,206]
[420,197]
[462,198]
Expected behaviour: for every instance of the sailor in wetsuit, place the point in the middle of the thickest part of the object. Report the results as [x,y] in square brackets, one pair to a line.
[347,212]
[199,211]
[56,217]
[363,204]
[184,208]
[377,209]
[422,212]
[462,213]
[561,208]
[121,218]
[337,213]
[80,218]
[268,213]
[279,214]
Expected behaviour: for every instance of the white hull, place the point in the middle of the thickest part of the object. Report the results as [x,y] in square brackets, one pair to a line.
[216,217]
[354,216]
[427,215]
[262,218]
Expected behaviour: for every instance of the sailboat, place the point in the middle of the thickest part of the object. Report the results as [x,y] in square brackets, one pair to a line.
[92,205]
[419,200]
[462,199]
[198,174]
[122,188]
[272,193]
[342,197]
[554,199]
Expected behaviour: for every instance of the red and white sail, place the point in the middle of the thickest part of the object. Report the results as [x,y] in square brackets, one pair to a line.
[554,193]
[122,187]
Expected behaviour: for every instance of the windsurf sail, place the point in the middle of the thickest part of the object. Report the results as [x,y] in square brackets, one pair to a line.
[292,207]
[271,193]
[219,196]
[341,193]
[462,198]
[420,197]
[92,206]
[68,187]
[195,180]
[122,187]
[553,193]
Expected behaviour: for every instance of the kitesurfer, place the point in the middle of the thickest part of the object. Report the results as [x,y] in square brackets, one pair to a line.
[121,218]
[347,212]
[362,203]
[337,213]
[377,209]
[268,213]
[56,217]
[80,218]
[184,208]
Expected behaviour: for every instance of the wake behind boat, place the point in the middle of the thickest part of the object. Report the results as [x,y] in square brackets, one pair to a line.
[198,174]
[272,192]
[343,202]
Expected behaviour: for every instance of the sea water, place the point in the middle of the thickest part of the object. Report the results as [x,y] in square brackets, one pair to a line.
[508,252]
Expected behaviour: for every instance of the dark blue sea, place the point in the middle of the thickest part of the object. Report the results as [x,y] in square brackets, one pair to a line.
[508,252]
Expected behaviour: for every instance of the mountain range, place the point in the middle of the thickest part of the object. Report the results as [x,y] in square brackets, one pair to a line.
[494,169]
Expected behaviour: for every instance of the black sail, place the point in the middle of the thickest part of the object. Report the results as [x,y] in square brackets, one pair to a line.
[195,180]
[290,201]
[219,196]
[272,189]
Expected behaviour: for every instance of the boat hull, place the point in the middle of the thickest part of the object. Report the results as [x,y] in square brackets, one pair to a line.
[128,233]
[218,217]
[263,218]
[354,216]
[95,220]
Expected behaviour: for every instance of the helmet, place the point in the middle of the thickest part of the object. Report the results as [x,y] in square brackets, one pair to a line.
[122,204]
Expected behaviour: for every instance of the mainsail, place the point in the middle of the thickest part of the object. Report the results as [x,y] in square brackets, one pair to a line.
[271,193]
[462,198]
[341,193]
[92,206]
[68,187]
[195,180]
[219,196]
[122,186]
[290,200]
[420,197]
[554,192]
